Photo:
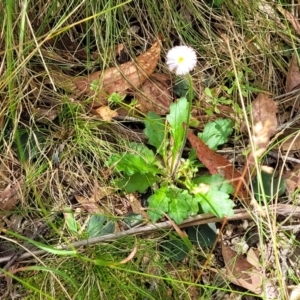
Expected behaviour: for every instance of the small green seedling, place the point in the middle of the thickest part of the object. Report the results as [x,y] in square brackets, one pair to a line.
[178,194]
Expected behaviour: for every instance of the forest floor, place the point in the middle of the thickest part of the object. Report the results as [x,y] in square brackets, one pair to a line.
[120,179]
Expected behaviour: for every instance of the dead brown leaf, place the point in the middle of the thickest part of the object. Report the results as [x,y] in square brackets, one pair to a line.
[45,115]
[136,206]
[295,294]
[119,48]
[253,257]
[264,108]
[293,75]
[289,140]
[264,111]
[9,197]
[88,204]
[240,272]
[154,95]
[105,113]
[291,18]
[292,179]
[121,79]
[101,192]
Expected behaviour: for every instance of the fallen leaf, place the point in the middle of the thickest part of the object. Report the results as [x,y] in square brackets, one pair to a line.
[295,294]
[264,111]
[272,290]
[88,204]
[217,164]
[293,75]
[292,179]
[289,140]
[136,206]
[101,192]
[154,95]
[253,257]
[9,197]
[105,113]
[119,48]
[63,81]
[122,56]
[264,117]
[240,272]
[268,10]
[45,115]
[121,79]
[291,18]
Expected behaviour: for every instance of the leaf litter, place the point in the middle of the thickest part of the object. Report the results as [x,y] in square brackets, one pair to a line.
[121,79]
[241,272]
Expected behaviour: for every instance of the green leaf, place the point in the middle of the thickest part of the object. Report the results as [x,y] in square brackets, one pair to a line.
[177,116]
[142,161]
[203,235]
[193,155]
[143,151]
[182,205]
[53,250]
[70,221]
[181,87]
[99,226]
[113,98]
[193,206]
[155,131]
[44,247]
[137,182]
[32,142]
[272,185]
[216,133]
[175,248]
[158,203]
[178,210]
[208,92]
[178,203]
[216,202]
[132,219]
[216,182]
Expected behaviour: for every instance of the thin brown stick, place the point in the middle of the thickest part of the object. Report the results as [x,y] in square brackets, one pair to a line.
[239,214]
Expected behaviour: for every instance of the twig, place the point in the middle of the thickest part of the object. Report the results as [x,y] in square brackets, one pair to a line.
[280,209]
[288,124]
[284,157]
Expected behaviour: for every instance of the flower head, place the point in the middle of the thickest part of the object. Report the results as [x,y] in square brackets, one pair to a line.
[181,59]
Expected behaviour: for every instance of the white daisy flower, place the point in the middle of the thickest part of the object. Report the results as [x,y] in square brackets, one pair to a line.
[181,59]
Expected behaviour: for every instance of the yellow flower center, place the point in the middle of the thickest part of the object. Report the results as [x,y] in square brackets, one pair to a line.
[180,59]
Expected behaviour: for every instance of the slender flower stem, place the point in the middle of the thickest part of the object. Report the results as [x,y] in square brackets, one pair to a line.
[190,97]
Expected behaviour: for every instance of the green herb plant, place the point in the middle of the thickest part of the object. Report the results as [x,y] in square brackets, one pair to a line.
[176,189]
